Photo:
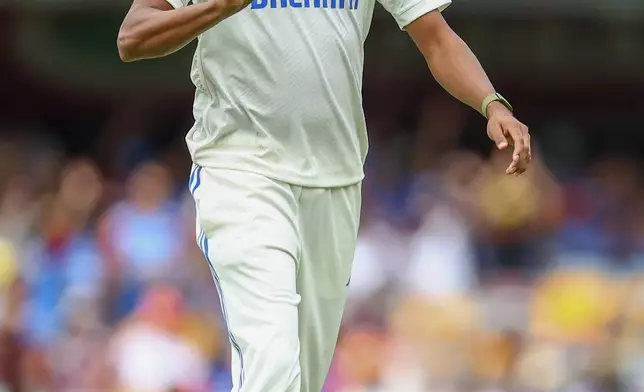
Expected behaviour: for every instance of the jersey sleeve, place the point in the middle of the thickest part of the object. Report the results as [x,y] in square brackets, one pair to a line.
[178,3]
[407,11]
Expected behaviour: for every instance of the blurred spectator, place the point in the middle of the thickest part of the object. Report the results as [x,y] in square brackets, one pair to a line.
[17,211]
[84,336]
[62,258]
[139,236]
[12,350]
[359,357]
[574,305]
[61,261]
[381,252]
[369,276]
[442,260]
[516,213]
[600,210]
[149,354]
[9,272]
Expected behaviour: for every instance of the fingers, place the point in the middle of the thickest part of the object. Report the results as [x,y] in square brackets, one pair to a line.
[495,132]
[522,154]
[527,142]
[509,131]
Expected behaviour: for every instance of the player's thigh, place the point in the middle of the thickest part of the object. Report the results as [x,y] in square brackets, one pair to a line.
[246,228]
[243,213]
[328,228]
[328,223]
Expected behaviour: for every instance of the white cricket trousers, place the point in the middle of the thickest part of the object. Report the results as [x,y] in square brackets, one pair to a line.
[281,258]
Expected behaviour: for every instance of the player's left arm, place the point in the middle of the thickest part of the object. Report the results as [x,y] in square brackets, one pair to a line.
[457,69]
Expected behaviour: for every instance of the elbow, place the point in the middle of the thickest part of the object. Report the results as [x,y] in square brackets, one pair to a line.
[132,45]
[127,47]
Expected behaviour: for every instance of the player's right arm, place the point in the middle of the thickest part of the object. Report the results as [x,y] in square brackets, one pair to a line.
[154,28]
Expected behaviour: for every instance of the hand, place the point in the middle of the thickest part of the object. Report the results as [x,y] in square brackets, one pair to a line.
[231,7]
[505,130]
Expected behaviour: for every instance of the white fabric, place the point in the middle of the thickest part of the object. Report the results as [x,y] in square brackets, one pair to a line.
[282,257]
[442,262]
[407,11]
[368,275]
[148,359]
[279,89]
[178,3]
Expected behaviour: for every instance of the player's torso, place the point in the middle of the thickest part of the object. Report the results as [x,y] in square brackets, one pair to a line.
[346,19]
[286,77]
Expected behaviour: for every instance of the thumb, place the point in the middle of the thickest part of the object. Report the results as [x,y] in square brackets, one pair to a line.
[496,134]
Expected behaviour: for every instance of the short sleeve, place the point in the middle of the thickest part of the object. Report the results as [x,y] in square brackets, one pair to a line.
[407,11]
[178,3]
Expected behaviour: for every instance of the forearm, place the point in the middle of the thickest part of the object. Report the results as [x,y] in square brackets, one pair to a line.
[149,33]
[458,70]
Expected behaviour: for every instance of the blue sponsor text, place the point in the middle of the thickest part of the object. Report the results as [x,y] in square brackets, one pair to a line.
[333,4]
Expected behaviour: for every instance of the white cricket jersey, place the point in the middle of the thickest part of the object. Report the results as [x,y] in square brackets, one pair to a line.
[279,88]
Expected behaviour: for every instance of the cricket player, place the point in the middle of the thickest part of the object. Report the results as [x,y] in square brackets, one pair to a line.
[278,145]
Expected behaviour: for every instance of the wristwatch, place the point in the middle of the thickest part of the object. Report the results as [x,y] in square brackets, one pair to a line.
[494,97]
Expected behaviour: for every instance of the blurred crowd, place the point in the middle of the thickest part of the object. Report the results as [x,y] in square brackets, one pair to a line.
[465,279]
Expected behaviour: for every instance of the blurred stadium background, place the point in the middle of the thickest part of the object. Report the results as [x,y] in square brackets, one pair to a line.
[465,280]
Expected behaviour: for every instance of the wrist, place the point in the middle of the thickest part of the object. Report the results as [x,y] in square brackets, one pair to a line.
[497,108]
[495,103]
[213,9]
[222,9]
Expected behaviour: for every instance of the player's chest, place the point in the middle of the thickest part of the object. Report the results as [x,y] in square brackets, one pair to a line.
[313,14]
[323,24]
[309,6]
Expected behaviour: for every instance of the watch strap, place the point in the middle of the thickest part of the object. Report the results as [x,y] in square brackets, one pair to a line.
[494,97]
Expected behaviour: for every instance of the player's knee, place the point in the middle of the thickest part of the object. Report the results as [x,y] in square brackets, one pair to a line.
[285,355]
[282,356]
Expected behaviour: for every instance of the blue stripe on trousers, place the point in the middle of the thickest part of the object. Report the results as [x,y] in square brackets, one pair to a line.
[192,176]
[233,342]
[195,181]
